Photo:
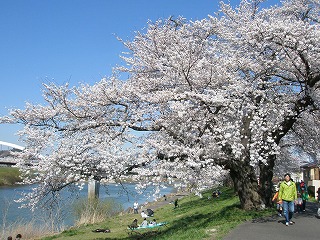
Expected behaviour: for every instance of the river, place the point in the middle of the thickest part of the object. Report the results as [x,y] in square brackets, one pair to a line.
[10,211]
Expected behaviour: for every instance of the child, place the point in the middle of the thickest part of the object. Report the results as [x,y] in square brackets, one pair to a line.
[299,203]
[279,204]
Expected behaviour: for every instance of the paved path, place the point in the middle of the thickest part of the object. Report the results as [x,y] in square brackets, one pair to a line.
[169,200]
[306,227]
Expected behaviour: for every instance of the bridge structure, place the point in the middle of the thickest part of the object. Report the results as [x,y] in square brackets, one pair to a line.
[6,157]
[8,160]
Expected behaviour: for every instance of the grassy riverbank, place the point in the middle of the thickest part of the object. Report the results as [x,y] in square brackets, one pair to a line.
[195,218]
[9,176]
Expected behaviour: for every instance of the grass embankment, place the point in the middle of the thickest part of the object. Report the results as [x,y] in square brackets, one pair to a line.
[9,176]
[196,218]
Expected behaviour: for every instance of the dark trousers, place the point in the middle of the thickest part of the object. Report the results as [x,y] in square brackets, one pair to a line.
[299,208]
[304,205]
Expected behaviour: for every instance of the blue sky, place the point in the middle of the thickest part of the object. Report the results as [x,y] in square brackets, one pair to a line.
[72,41]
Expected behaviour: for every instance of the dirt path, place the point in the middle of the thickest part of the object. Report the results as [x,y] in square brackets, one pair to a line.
[170,198]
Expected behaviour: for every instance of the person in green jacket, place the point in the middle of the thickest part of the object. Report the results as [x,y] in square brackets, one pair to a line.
[287,195]
[305,197]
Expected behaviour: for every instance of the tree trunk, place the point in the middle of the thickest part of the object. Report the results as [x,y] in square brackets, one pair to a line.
[246,185]
[266,185]
[243,174]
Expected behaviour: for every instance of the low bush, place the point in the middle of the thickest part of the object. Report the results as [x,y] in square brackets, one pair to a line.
[89,211]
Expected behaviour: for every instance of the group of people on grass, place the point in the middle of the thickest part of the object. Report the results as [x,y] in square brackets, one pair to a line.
[290,198]
[144,223]
[144,215]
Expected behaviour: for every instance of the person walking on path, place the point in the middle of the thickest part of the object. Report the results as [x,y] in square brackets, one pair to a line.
[287,196]
[304,196]
[176,204]
[279,205]
[302,186]
[299,203]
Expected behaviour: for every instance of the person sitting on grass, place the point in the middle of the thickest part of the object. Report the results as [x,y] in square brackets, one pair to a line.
[144,215]
[134,224]
[144,223]
[153,223]
[150,212]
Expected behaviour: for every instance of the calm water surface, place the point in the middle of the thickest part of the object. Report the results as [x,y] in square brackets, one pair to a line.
[10,211]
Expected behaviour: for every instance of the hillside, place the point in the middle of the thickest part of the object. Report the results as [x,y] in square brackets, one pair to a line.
[195,218]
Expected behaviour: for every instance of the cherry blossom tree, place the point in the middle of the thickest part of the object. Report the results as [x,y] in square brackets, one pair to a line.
[278,62]
[203,99]
[300,146]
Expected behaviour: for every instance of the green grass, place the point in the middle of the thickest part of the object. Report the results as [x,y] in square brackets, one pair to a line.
[196,218]
[9,176]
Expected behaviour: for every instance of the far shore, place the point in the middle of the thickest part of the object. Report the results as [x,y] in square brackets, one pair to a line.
[9,176]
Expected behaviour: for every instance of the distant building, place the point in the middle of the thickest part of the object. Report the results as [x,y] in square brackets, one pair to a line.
[7,159]
[311,176]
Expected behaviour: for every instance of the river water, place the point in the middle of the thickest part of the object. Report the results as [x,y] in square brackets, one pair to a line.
[11,212]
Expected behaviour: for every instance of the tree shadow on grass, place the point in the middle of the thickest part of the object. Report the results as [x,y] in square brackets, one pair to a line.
[208,200]
[196,221]
[214,217]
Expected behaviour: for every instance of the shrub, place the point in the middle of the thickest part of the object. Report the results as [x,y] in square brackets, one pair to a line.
[89,211]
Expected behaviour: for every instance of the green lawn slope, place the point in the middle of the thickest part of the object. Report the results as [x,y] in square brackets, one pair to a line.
[195,218]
